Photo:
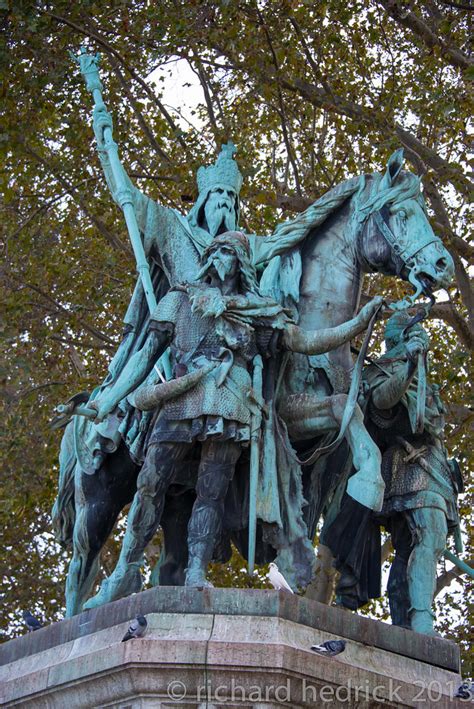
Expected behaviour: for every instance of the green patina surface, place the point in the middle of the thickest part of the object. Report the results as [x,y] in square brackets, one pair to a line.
[281,309]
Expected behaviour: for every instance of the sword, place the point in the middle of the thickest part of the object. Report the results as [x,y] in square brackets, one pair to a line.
[255,425]
[421,369]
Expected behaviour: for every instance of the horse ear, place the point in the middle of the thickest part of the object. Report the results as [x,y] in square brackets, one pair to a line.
[394,165]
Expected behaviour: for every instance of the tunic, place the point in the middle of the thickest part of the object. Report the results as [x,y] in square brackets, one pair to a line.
[424,477]
[221,404]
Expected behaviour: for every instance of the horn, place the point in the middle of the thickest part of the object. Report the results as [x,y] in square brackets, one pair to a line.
[151,396]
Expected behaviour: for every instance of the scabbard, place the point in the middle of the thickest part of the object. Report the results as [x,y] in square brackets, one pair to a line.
[256,421]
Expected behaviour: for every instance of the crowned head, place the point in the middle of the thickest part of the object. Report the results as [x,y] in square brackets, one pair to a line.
[217,206]
[223,173]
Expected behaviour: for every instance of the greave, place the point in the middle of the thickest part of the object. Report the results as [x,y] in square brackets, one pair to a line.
[398,597]
[203,528]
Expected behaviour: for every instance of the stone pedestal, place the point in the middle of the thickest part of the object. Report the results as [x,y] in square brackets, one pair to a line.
[224,648]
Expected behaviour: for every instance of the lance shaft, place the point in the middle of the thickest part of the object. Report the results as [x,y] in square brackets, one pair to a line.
[88,65]
[465,568]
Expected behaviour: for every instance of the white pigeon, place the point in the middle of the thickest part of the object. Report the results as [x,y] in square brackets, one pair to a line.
[277,579]
[136,628]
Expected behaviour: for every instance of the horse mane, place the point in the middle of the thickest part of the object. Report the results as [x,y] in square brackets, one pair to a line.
[406,186]
[320,210]
[281,278]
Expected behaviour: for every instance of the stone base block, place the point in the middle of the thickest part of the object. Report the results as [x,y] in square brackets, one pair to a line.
[225,648]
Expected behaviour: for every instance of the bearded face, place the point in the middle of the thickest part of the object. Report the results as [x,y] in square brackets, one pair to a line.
[219,211]
[222,261]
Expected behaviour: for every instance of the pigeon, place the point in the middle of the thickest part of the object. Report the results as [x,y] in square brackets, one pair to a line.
[330,648]
[31,622]
[136,628]
[465,691]
[277,579]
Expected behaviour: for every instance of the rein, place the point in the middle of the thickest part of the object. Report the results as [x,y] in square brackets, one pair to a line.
[403,256]
[351,397]
[421,365]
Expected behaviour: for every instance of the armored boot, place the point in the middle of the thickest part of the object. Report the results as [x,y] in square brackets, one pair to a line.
[202,531]
[125,580]
[346,590]
[422,622]
[430,539]
[398,597]
[215,472]
[197,569]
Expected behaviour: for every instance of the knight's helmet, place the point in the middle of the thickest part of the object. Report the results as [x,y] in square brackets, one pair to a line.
[224,173]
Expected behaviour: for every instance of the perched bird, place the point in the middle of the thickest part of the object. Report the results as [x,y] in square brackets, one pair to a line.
[330,647]
[465,691]
[277,579]
[31,622]
[136,628]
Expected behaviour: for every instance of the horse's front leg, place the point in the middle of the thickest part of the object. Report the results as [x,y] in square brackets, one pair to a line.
[308,416]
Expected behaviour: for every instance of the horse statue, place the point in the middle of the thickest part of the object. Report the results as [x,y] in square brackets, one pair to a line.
[367,224]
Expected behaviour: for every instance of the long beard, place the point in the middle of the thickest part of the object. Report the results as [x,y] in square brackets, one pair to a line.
[220,219]
[221,269]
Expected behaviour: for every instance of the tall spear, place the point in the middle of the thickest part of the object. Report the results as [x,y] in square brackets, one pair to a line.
[88,65]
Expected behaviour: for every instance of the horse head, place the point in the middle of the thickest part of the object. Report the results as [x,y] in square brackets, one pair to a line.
[395,236]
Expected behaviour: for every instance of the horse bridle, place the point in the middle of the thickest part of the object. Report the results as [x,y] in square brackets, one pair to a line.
[402,256]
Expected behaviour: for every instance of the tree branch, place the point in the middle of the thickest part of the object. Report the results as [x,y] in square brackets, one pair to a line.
[72,191]
[202,76]
[387,549]
[44,207]
[359,114]
[309,57]
[111,50]
[282,112]
[87,326]
[458,5]
[447,312]
[464,248]
[459,413]
[85,345]
[403,16]
[462,277]
[24,392]
[140,117]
